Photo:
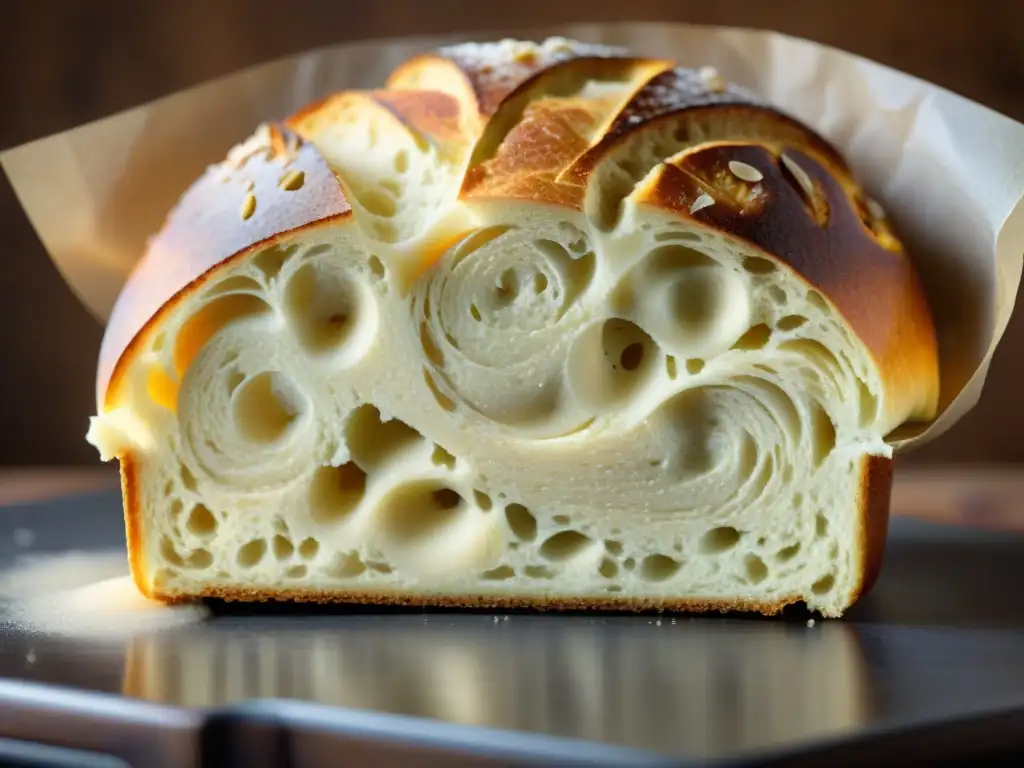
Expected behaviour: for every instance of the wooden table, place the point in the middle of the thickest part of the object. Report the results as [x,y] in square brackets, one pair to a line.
[983,496]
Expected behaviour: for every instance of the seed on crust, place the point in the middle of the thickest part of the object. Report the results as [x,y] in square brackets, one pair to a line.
[745,172]
[702,202]
[799,174]
[712,79]
[248,206]
[292,180]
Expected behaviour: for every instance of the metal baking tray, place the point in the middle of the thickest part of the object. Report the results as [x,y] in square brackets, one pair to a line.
[928,667]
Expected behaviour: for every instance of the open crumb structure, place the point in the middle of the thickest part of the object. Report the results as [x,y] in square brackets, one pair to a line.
[543,325]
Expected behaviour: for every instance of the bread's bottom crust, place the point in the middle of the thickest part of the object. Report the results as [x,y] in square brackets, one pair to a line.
[876,488]
[499,602]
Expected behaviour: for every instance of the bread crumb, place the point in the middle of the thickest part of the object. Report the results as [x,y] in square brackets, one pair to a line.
[810,623]
[86,595]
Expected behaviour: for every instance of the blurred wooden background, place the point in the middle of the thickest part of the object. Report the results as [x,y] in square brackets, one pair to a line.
[63,62]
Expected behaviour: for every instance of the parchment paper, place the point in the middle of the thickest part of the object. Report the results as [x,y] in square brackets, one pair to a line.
[949,172]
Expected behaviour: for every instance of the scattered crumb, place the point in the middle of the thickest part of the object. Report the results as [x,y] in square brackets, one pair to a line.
[810,622]
[84,594]
[30,657]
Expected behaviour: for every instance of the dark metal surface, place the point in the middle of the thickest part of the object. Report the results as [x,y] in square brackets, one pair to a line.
[940,639]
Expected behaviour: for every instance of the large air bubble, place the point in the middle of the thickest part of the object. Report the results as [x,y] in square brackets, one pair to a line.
[373,442]
[332,311]
[335,492]
[267,407]
[610,363]
[690,303]
[427,526]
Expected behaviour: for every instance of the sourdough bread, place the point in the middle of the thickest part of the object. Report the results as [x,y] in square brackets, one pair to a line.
[539,325]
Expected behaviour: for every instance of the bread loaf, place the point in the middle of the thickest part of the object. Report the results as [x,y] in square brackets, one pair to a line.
[533,325]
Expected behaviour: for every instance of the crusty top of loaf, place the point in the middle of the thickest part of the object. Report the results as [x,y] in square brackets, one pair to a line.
[581,126]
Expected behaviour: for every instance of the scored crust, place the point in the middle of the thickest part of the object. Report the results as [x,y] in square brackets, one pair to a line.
[510,126]
[204,229]
[209,226]
[885,306]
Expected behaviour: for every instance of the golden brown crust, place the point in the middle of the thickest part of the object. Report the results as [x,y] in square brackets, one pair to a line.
[138,565]
[875,494]
[285,182]
[487,74]
[551,126]
[429,113]
[881,298]
[531,123]
[432,115]
[550,134]
[527,163]
[688,102]
[430,72]
[132,351]
[680,91]
[548,120]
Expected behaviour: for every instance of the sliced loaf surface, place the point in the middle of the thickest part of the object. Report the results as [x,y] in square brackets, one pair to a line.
[534,324]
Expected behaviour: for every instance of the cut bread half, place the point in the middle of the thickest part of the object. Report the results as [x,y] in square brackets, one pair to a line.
[537,325]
